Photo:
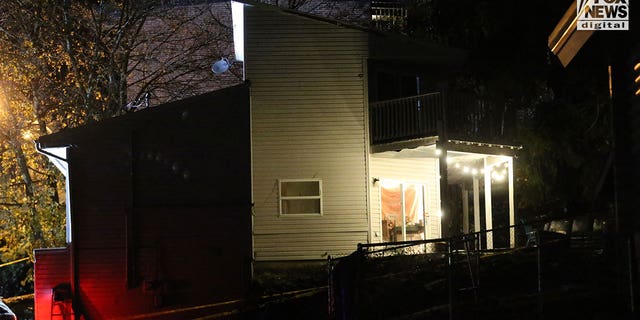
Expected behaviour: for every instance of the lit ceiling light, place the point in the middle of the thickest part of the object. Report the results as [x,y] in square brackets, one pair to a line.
[438,152]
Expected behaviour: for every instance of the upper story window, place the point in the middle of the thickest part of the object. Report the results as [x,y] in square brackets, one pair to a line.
[300,196]
[389,15]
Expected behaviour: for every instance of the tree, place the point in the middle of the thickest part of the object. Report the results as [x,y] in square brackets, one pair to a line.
[562,119]
[66,63]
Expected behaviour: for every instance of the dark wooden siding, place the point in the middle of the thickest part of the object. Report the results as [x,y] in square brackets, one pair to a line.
[51,268]
[160,205]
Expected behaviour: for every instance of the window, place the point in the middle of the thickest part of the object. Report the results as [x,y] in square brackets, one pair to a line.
[300,196]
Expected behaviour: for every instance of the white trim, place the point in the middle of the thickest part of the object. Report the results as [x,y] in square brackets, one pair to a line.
[488,214]
[512,210]
[281,198]
[63,166]
[424,210]
[477,226]
[367,149]
[237,14]
[422,190]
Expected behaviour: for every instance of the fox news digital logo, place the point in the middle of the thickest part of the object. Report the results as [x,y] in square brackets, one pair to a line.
[603,14]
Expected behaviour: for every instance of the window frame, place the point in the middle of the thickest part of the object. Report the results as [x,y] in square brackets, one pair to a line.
[281,198]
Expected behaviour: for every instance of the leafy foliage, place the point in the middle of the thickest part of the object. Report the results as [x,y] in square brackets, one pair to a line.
[561,117]
[66,63]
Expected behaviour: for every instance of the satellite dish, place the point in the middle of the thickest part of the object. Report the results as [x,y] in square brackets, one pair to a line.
[220,66]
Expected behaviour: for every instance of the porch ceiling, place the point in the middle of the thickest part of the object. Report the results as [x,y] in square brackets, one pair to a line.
[461,166]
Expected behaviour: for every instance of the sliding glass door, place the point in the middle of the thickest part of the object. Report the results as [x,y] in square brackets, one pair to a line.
[402,211]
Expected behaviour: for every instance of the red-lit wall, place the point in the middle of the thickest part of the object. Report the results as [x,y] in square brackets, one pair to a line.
[161,206]
[51,269]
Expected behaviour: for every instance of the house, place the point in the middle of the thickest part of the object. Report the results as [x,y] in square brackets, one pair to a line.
[160,209]
[338,136]
[355,119]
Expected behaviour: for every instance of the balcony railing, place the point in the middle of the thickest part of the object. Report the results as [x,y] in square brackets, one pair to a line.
[467,118]
[405,118]
[389,15]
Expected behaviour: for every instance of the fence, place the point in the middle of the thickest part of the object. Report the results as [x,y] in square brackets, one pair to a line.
[458,277]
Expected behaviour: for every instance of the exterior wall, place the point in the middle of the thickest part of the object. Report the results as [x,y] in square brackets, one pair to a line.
[308,121]
[161,207]
[410,170]
[51,268]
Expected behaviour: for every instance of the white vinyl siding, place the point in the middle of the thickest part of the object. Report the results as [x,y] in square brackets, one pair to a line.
[308,120]
[422,171]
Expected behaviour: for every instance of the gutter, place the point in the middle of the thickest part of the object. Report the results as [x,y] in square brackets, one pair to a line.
[47,153]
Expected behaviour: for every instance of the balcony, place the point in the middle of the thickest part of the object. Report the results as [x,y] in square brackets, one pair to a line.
[405,118]
[462,116]
[389,15]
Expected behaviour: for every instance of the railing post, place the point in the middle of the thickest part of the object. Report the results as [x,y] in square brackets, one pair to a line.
[358,283]
[539,274]
[478,265]
[330,289]
[450,275]
[630,269]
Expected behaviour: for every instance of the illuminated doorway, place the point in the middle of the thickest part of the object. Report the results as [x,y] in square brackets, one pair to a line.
[402,211]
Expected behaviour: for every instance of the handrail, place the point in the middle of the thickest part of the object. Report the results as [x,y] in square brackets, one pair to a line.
[383,102]
[461,237]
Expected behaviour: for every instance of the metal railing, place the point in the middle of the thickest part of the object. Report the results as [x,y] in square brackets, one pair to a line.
[405,118]
[468,117]
[456,277]
[389,15]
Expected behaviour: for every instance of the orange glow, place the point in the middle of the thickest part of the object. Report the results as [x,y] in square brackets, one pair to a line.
[610,82]
[637,80]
